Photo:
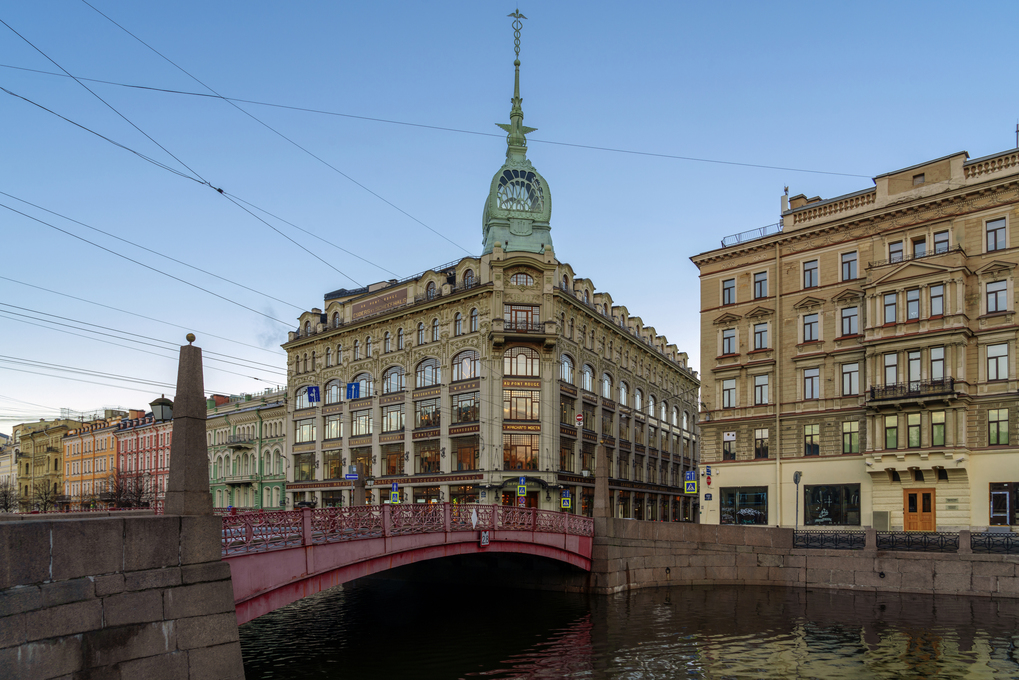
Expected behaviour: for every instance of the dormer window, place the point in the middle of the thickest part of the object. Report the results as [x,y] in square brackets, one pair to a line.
[522,279]
[430,291]
[918,179]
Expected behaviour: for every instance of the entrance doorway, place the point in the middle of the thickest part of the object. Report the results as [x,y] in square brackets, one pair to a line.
[918,510]
[510,498]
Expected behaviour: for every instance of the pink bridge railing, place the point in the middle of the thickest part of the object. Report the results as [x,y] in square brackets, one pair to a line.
[253,532]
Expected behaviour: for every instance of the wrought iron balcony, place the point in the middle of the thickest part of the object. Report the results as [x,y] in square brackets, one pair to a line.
[913,389]
[241,439]
[240,479]
[524,327]
[934,252]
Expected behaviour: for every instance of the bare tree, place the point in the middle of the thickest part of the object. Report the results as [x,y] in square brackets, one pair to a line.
[8,496]
[44,496]
[128,490]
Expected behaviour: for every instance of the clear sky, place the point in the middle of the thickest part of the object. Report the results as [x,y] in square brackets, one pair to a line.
[855,88]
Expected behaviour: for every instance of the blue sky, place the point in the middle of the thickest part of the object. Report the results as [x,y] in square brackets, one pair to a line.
[858,89]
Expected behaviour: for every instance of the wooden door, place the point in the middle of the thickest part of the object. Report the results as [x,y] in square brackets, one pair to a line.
[918,510]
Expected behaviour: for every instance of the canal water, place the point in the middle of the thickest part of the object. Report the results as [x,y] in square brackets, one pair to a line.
[394,629]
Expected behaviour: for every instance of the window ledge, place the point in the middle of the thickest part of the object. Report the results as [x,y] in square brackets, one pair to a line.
[849,337]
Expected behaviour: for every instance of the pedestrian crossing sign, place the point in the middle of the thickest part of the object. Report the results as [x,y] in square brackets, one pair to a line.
[566,503]
[522,490]
[394,496]
[690,487]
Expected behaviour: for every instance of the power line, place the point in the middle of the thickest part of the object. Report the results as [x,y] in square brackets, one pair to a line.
[91,382]
[82,371]
[441,128]
[140,316]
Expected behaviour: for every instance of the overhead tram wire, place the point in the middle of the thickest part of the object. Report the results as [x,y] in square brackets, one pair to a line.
[140,316]
[441,128]
[190,169]
[6,315]
[91,382]
[171,345]
[280,134]
[82,371]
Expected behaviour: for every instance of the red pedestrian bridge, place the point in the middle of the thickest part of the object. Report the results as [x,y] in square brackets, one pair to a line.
[279,557]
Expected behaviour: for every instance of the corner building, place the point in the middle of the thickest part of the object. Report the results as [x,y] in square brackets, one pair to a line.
[868,342]
[455,383]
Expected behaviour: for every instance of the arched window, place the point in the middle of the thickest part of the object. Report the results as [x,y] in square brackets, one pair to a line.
[399,338]
[421,334]
[521,361]
[386,347]
[297,364]
[329,357]
[638,401]
[334,392]
[435,330]
[301,399]
[663,412]
[336,319]
[675,416]
[366,382]
[570,334]
[339,354]
[305,362]
[469,278]
[313,364]
[605,309]
[566,369]
[430,290]
[565,283]
[587,378]
[587,296]
[651,405]
[624,394]
[458,324]
[521,279]
[606,385]
[392,380]
[368,347]
[686,420]
[474,320]
[307,328]
[428,373]
[465,365]
[357,350]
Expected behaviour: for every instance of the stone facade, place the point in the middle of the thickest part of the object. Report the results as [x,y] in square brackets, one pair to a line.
[39,462]
[868,342]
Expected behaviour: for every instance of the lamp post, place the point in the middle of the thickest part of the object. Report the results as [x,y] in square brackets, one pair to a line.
[162,409]
[796,518]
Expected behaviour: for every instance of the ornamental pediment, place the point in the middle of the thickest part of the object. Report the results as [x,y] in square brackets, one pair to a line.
[759,312]
[726,318]
[808,303]
[913,270]
[849,295]
[996,268]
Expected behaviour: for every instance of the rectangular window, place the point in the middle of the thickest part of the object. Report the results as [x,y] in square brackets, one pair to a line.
[891,432]
[919,247]
[360,423]
[850,316]
[304,431]
[464,407]
[760,336]
[850,379]
[913,369]
[729,393]
[567,410]
[891,369]
[392,418]
[729,341]
[811,440]
[848,266]
[912,304]
[937,300]
[761,443]
[890,308]
[728,451]
[760,389]
[996,234]
[426,413]
[334,427]
[810,328]
[851,436]
[997,426]
[624,428]
[331,464]
[392,459]
[426,457]
[810,274]
[1004,503]
[831,505]
[520,452]
[895,252]
[913,430]
[744,505]
[729,292]
[811,383]
[937,363]
[937,428]
[941,242]
[996,297]
[587,410]
[997,362]
[304,467]
[760,285]
[520,317]
[521,404]
[466,452]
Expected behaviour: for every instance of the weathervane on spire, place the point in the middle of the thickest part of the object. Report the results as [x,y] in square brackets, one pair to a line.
[516,140]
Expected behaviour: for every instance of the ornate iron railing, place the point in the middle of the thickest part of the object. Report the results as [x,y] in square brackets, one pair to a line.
[913,388]
[995,542]
[524,327]
[899,259]
[752,234]
[260,531]
[830,539]
[918,541]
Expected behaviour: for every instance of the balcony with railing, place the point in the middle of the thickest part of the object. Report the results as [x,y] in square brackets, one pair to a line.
[242,439]
[240,479]
[934,252]
[914,389]
[752,235]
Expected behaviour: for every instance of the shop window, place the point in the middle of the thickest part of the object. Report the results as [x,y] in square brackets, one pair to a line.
[466,453]
[426,413]
[465,407]
[1004,504]
[520,452]
[426,457]
[521,404]
[304,431]
[392,418]
[831,505]
[744,505]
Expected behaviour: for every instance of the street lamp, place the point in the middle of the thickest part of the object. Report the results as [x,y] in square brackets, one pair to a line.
[162,409]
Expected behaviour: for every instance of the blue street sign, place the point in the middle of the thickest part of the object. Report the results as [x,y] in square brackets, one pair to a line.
[394,497]
[707,497]
[522,490]
[690,475]
[395,487]
[708,471]
[566,503]
[566,493]
[349,476]
[353,391]
[313,394]
[690,487]
[523,480]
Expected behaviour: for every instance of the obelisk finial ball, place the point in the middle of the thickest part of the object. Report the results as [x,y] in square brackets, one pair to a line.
[190,337]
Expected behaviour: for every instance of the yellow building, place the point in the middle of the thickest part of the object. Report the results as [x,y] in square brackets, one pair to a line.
[39,462]
[868,341]
[90,459]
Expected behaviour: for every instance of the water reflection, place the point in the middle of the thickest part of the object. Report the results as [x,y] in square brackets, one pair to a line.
[411,630]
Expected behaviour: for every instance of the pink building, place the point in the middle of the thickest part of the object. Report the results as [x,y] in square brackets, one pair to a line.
[143,454]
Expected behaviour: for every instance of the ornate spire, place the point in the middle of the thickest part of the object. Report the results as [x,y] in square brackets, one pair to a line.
[516,140]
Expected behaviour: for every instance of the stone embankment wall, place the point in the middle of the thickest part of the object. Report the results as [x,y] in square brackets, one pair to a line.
[631,554]
[118,596]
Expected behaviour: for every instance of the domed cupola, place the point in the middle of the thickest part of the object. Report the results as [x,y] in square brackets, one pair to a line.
[519,204]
